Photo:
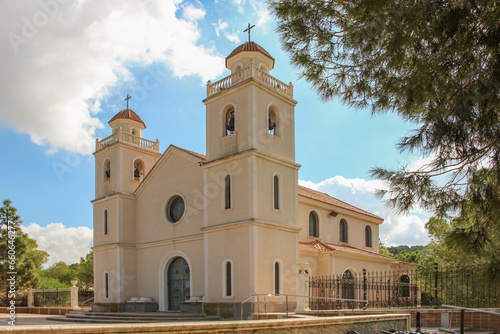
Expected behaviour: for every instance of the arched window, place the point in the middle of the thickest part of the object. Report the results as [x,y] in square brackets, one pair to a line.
[343,231]
[105,229]
[272,122]
[348,285]
[133,131]
[138,170]
[368,236]
[313,224]
[404,286]
[229,279]
[229,122]
[106,285]
[276,192]
[227,186]
[107,170]
[277,277]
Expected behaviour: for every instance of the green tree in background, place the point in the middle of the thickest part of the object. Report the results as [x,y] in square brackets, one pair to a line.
[85,271]
[27,260]
[436,64]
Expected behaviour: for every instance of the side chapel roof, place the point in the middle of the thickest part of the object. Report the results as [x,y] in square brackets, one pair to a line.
[325,198]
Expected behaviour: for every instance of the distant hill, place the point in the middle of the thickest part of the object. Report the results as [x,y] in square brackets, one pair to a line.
[407,249]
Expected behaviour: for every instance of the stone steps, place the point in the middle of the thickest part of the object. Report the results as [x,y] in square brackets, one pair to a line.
[127,317]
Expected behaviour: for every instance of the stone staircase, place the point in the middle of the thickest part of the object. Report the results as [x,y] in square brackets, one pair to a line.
[129,317]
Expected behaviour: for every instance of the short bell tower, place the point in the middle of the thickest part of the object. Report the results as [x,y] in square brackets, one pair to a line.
[122,161]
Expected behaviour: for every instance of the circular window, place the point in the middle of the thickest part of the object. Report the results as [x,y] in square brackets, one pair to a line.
[175,209]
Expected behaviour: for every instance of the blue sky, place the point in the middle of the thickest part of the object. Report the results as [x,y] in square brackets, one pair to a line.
[67,66]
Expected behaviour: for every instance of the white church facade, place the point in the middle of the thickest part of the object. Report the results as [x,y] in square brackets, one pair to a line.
[182,227]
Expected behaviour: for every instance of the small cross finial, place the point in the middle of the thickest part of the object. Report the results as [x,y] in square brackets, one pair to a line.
[248,29]
[128,98]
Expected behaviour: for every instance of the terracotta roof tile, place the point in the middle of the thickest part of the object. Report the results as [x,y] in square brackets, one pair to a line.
[199,155]
[249,46]
[325,198]
[320,246]
[128,114]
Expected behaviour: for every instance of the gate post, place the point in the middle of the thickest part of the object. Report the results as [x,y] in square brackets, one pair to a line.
[31,298]
[74,295]
[365,288]
[435,285]
[302,286]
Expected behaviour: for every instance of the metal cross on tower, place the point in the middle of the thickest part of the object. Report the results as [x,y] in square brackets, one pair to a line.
[248,29]
[128,98]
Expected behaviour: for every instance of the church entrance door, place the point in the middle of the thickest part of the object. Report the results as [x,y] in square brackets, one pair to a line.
[179,285]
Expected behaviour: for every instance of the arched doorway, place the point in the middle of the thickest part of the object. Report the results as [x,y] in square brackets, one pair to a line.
[348,286]
[178,283]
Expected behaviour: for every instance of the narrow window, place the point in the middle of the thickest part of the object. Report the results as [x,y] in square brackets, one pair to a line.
[106,285]
[368,236]
[313,224]
[105,222]
[228,192]
[229,122]
[228,279]
[276,192]
[276,278]
[343,231]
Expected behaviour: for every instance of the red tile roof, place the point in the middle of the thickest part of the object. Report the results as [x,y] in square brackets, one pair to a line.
[199,155]
[128,114]
[322,197]
[319,246]
[249,46]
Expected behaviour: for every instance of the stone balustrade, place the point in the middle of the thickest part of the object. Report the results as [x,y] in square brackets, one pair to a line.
[250,72]
[128,138]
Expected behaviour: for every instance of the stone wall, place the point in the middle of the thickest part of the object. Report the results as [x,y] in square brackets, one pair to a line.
[333,325]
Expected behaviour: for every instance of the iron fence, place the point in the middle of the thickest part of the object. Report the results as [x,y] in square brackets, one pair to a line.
[469,286]
[60,297]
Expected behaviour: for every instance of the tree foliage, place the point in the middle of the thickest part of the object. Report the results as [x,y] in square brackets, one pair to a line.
[436,64]
[26,259]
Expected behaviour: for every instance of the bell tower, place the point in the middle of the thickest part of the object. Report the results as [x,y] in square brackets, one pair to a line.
[250,109]
[251,159]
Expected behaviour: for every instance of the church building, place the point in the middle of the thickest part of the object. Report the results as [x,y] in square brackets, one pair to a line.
[182,227]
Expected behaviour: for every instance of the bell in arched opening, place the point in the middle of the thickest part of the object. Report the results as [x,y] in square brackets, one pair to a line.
[230,122]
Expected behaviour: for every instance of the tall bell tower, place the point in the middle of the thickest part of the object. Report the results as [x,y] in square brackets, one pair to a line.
[251,159]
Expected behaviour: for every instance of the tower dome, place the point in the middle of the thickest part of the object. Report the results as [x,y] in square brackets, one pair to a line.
[246,51]
[127,114]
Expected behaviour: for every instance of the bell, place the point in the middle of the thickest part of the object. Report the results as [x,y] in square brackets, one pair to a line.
[230,123]
[272,124]
[108,173]
[137,173]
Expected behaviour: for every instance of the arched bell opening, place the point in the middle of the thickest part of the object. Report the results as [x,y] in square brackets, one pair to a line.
[229,121]
[138,173]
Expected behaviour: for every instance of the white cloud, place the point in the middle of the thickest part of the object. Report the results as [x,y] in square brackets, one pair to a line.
[66,244]
[220,28]
[192,13]
[60,59]
[396,229]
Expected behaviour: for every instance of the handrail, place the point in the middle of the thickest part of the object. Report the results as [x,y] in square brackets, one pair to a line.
[86,301]
[470,309]
[300,296]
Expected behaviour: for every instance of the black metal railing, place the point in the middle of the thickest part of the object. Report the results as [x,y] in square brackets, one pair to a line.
[466,286]
[52,297]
